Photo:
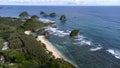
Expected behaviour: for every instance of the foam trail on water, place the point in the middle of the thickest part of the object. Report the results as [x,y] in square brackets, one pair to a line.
[79,38]
[114,52]
[82,40]
[96,49]
[86,42]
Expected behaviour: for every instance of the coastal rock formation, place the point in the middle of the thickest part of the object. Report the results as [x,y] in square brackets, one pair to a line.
[24,15]
[44,14]
[63,18]
[46,33]
[52,14]
[74,33]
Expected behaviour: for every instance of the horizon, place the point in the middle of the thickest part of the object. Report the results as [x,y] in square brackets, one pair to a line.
[62,2]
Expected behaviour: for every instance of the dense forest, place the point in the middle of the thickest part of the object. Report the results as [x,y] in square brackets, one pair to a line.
[24,51]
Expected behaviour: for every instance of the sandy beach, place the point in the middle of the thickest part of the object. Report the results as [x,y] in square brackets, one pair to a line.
[50,47]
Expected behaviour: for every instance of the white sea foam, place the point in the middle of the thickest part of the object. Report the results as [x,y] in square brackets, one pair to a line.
[46,20]
[86,42]
[81,40]
[96,49]
[114,52]
[57,32]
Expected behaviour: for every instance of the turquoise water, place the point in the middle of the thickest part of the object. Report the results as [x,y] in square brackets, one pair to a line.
[98,45]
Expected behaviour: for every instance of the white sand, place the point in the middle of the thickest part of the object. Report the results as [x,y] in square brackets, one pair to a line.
[27,32]
[50,47]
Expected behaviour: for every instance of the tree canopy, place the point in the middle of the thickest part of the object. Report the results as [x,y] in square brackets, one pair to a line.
[31,24]
[5,30]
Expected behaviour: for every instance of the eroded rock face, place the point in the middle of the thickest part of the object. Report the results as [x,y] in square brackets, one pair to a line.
[63,18]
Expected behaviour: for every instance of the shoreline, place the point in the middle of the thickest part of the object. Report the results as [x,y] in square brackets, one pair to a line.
[50,47]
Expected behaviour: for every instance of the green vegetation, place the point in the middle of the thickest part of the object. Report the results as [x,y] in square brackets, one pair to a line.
[5,30]
[74,33]
[24,15]
[15,41]
[15,56]
[58,63]
[32,24]
[35,17]
[15,22]
[1,43]
[24,50]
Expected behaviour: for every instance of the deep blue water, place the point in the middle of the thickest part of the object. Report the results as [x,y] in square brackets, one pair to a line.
[98,45]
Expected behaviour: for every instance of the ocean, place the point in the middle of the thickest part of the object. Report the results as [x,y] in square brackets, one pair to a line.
[98,45]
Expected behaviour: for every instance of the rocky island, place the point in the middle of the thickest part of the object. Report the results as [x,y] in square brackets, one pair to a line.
[63,18]
[74,33]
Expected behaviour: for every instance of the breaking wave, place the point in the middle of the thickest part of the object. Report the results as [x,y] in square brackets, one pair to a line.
[79,40]
[57,32]
[114,52]
[46,20]
[99,47]
[82,40]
